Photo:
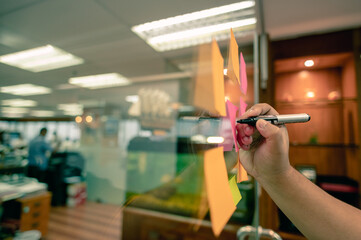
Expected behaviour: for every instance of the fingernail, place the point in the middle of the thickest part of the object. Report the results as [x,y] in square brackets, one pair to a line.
[245,138]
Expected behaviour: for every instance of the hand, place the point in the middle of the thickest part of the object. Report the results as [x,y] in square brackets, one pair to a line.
[269,157]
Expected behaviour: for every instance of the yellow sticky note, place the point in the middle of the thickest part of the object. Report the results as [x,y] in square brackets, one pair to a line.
[209,81]
[233,61]
[235,190]
[219,194]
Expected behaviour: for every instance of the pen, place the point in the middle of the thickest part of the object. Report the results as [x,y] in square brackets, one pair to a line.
[277,119]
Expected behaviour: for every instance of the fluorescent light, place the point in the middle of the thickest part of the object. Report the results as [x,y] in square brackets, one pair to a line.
[132,98]
[42,113]
[12,115]
[18,103]
[41,59]
[309,63]
[14,110]
[215,139]
[200,32]
[198,27]
[193,16]
[100,81]
[72,109]
[25,90]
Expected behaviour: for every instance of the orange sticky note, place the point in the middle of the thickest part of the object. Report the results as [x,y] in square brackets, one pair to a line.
[243,74]
[209,81]
[233,61]
[241,173]
[219,194]
[231,114]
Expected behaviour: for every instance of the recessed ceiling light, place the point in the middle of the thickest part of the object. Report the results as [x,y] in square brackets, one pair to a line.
[78,119]
[309,63]
[100,81]
[310,94]
[18,103]
[88,119]
[41,59]
[198,27]
[42,113]
[25,90]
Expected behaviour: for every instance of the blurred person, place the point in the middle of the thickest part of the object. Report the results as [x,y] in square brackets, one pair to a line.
[39,154]
[314,212]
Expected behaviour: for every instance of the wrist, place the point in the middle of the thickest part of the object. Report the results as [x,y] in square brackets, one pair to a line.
[277,176]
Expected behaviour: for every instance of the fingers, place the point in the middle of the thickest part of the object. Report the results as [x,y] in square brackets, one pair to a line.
[244,135]
[266,129]
[259,109]
[245,132]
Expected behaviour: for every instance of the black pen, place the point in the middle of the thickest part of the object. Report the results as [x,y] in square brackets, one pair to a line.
[277,119]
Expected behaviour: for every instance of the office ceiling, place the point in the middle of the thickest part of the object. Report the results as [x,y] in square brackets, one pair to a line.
[99,32]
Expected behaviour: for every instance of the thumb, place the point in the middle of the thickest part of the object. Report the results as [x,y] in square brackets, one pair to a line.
[266,129]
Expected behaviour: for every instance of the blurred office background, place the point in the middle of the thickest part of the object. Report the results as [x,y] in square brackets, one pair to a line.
[128,137]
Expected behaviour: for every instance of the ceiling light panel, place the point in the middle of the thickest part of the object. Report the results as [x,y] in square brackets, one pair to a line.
[199,27]
[72,109]
[42,113]
[25,90]
[100,81]
[41,59]
[18,103]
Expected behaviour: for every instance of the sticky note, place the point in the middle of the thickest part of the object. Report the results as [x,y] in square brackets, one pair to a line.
[209,80]
[235,190]
[219,194]
[242,107]
[243,74]
[231,114]
[233,61]
[241,172]
[225,131]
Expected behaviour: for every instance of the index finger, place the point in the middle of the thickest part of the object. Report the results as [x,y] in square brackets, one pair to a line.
[259,109]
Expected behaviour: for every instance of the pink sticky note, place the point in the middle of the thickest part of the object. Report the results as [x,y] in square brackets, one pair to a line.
[242,107]
[243,74]
[220,199]
[231,114]
[225,131]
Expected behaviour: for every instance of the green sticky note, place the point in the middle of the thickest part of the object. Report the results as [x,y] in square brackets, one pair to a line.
[234,190]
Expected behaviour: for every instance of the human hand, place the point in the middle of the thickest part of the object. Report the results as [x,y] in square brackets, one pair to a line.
[265,155]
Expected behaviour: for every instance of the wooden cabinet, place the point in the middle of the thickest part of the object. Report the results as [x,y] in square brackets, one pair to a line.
[29,212]
[141,224]
[329,91]
[35,212]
